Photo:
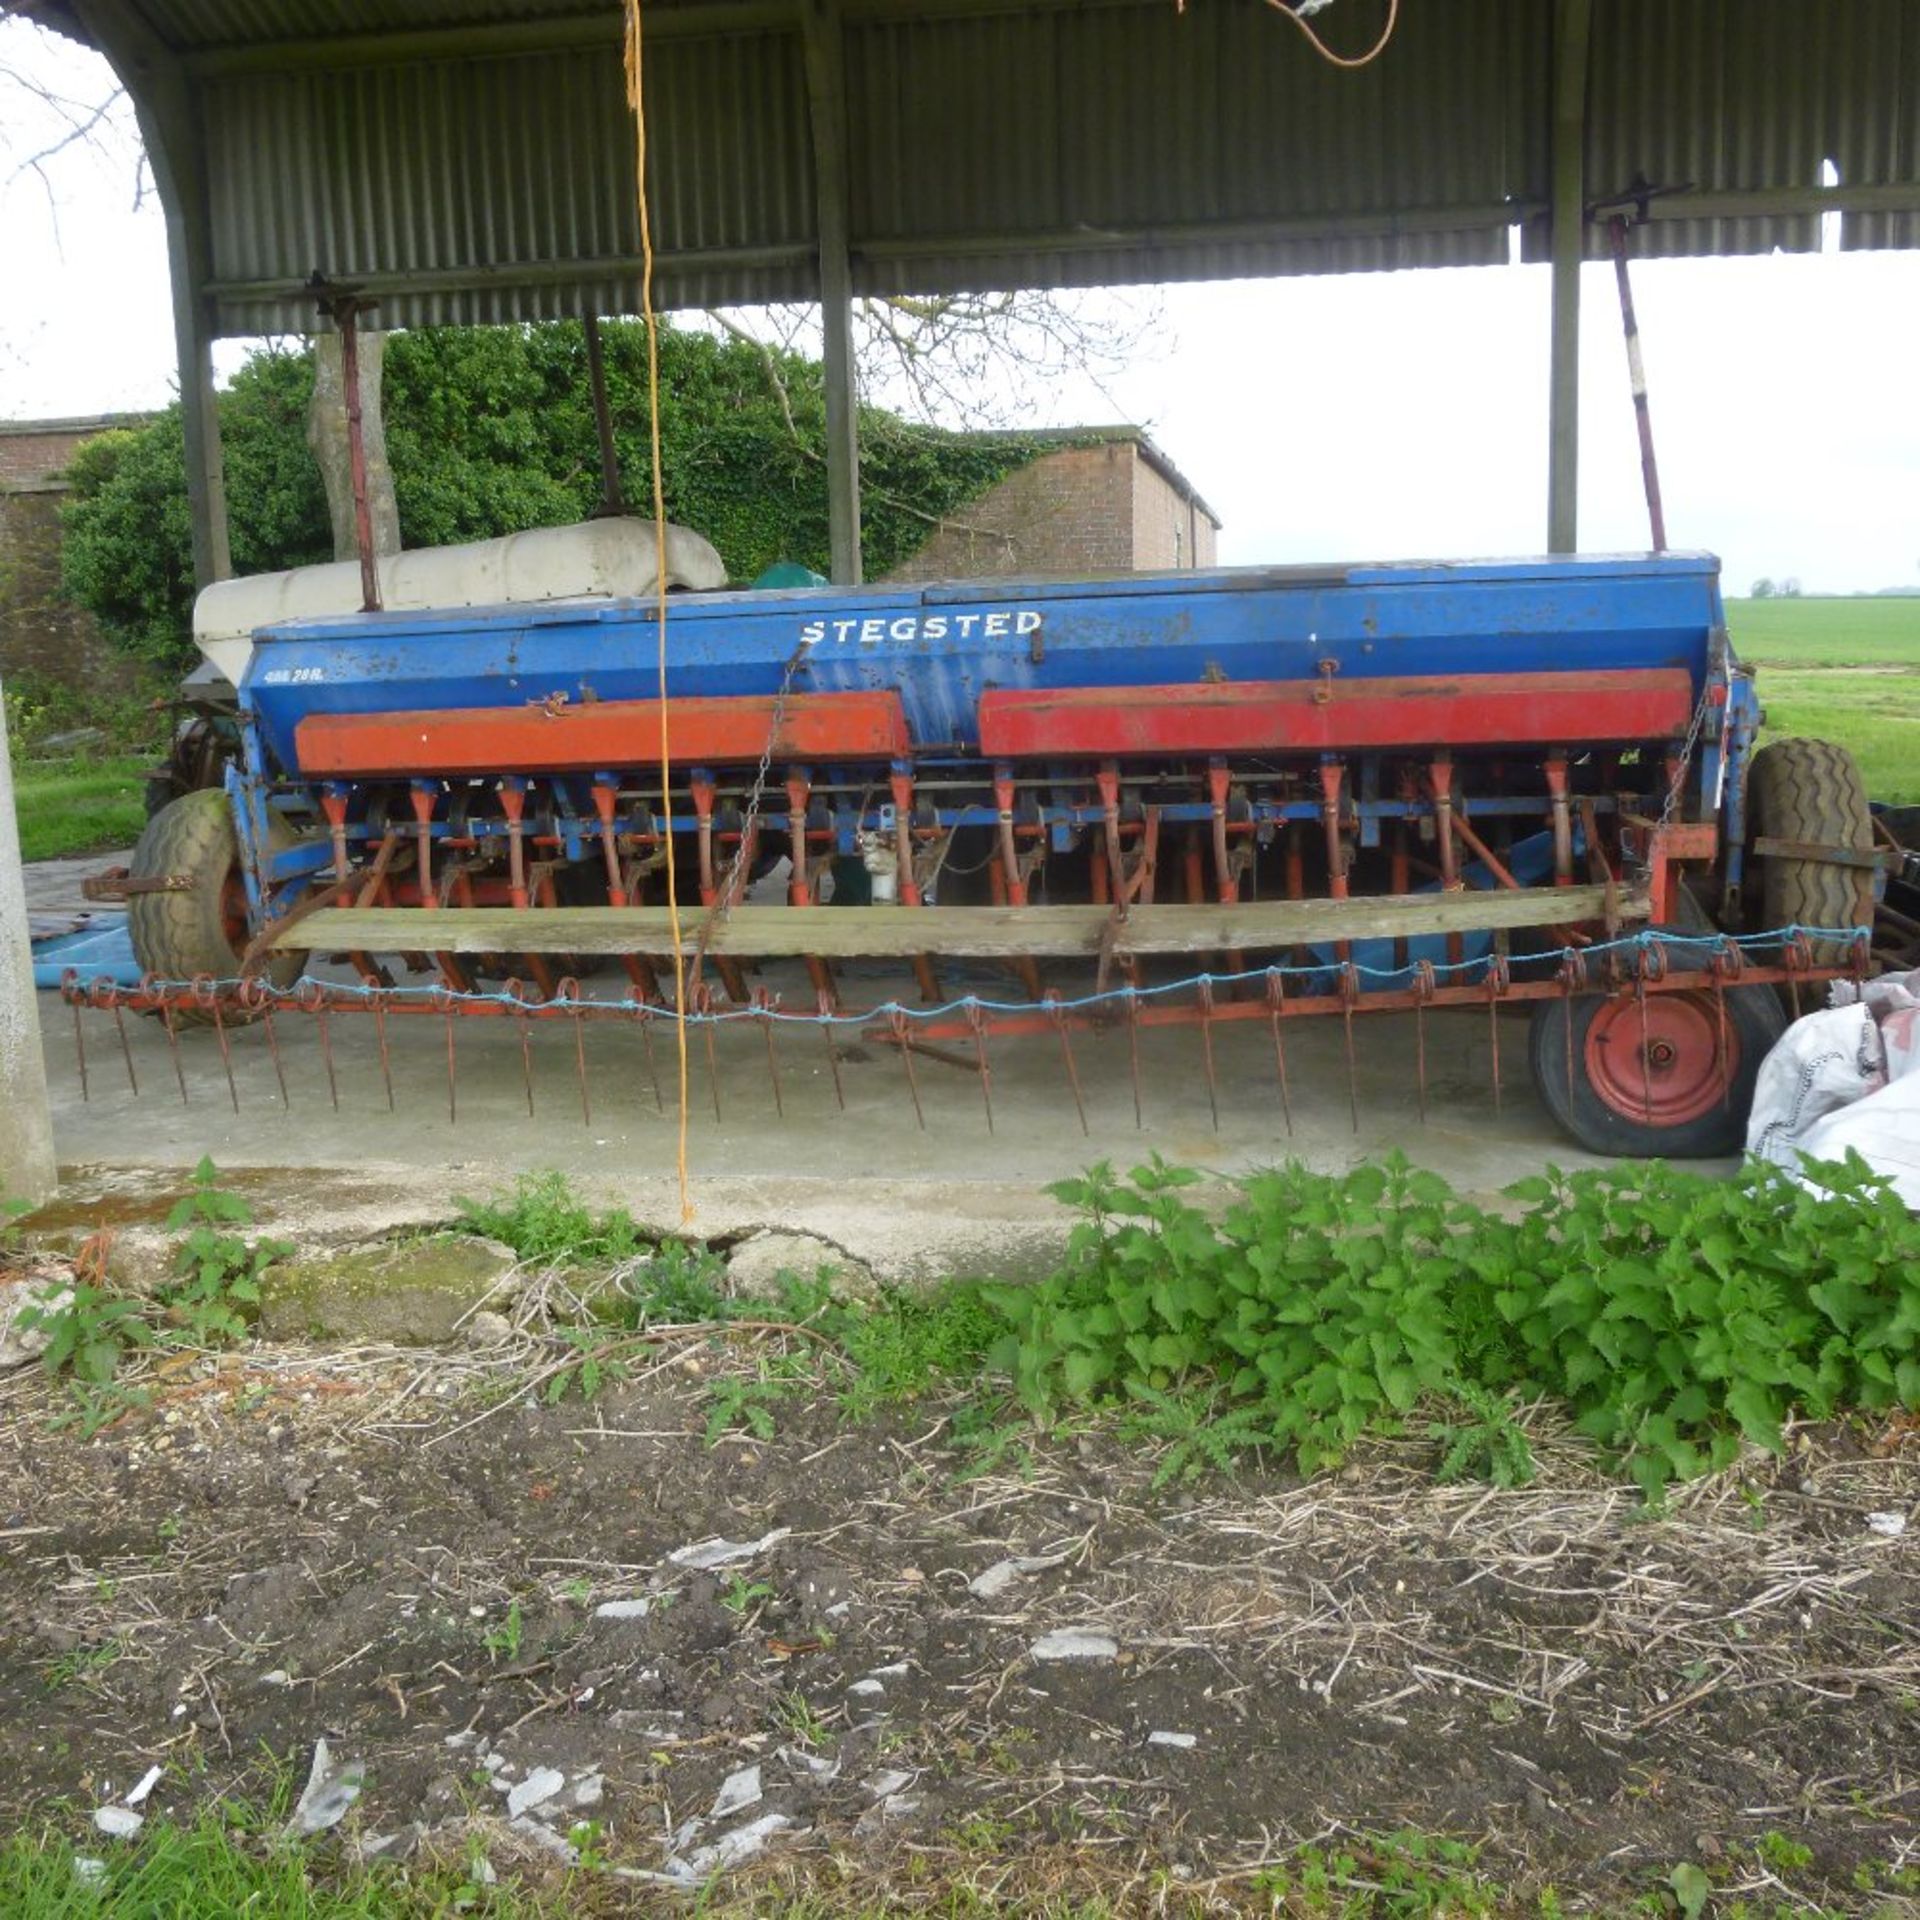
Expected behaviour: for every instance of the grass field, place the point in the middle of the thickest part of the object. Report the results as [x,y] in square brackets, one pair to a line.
[1827,633]
[79,806]
[1841,670]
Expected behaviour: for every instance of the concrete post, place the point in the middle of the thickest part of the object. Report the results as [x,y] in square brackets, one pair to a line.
[26,1120]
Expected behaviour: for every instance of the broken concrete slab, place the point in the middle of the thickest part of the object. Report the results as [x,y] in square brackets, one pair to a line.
[759,1266]
[407,1292]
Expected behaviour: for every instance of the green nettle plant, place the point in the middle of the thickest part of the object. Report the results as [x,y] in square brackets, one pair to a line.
[218,1284]
[207,1302]
[1673,1315]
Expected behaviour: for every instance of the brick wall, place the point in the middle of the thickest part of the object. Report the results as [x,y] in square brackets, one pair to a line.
[1170,526]
[40,632]
[34,453]
[1086,510]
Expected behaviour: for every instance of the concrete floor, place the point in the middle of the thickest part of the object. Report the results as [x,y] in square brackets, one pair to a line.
[912,1202]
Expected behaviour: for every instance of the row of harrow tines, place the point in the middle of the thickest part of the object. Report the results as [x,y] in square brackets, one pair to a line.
[251,1012]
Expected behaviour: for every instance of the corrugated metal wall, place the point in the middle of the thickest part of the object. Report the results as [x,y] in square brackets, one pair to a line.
[1059,142]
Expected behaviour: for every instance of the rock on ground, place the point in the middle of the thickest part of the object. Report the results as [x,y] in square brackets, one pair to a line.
[757,1265]
[395,1292]
[20,1344]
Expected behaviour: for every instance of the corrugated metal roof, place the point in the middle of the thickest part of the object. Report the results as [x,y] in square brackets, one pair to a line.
[470,160]
[1139,143]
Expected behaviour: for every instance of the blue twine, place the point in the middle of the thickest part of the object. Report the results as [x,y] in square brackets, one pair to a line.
[438,996]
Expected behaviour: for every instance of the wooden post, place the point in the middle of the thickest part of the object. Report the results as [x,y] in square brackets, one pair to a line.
[26,1120]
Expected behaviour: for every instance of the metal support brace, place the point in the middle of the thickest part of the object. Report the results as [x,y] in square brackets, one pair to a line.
[172,130]
[1573,20]
[826,100]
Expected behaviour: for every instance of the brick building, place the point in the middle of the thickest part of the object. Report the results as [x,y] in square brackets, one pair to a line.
[40,633]
[1107,500]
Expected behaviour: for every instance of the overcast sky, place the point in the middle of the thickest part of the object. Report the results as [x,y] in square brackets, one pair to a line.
[1355,416]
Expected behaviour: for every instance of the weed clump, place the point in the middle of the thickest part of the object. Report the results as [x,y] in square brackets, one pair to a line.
[1673,1315]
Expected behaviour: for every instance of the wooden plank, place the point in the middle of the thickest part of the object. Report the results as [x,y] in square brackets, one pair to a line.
[986,932]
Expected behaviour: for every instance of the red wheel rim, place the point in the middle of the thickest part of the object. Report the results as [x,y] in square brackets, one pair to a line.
[1668,1071]
[233,912]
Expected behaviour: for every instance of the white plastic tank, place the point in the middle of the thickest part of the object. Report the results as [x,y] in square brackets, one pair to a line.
[597,560]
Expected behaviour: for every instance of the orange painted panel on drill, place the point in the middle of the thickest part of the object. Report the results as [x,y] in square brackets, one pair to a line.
[714,730]
[1256,716]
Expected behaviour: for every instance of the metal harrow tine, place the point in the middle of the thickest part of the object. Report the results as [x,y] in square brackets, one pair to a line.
[764,1006]
[311,996]
[1349,993]
[1573,977]
[567,994]
[255,994]
[897,1022]
[833,1052]
[104,992]
[1497,979]
[1423,986]
[523,1027]
[644,1014]
[1066,1053]
[446,1007]
[1726,959]
[977,1020]
[208,995]
[1276,1011]
[148,985]
[386,1059]
[702,1002]
[1133,1050]
[1645,963]
[67,980]
[1206,1046]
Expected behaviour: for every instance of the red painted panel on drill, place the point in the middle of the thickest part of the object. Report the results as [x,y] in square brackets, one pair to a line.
[1264,716]
[709,730]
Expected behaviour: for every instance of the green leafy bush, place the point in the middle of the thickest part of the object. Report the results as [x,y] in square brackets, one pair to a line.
[490,430]
[1671,1313]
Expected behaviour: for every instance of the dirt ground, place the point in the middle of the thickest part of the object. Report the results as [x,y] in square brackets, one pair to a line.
[408,1555]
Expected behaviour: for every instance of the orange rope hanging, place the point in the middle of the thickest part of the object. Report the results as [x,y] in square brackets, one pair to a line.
[1320,47]
[636,100]
[1325,52]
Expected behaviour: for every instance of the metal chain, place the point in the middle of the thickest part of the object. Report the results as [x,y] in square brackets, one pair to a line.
[723,894]
[1677,784]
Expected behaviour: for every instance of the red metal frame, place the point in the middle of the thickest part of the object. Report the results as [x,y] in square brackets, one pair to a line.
[1263,716]
[552,738]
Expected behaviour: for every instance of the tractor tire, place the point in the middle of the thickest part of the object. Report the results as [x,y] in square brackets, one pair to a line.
[1811,790]
[1672,1107]
[204,929]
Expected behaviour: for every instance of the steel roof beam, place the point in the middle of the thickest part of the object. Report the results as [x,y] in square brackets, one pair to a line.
[1573,28]
[171,128]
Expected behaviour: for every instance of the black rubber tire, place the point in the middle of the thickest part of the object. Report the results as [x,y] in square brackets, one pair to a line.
[1755,1020]
[1810,790]
[179,936]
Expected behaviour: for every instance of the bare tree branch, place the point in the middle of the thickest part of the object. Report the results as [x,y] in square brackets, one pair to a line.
[972,360]
[41,121]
